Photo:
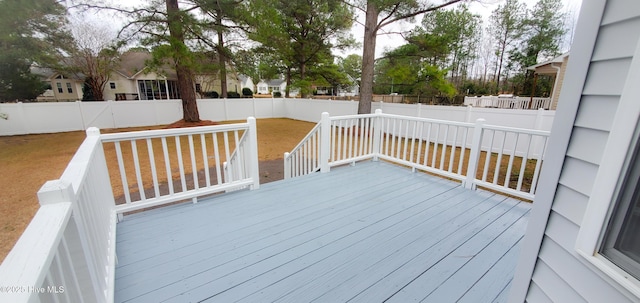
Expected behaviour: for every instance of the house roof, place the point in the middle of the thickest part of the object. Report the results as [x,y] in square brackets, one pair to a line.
[546,66]
[133,63]
[275,82]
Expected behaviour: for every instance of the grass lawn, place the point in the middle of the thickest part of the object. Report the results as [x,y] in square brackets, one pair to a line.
[30,160]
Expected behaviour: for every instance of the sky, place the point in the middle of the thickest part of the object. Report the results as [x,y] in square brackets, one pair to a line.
[481,7]
[390,41]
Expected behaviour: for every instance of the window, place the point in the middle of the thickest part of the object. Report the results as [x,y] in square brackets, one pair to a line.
[112,85]
[69,89]
[621,242]
[198,88]
[59,85]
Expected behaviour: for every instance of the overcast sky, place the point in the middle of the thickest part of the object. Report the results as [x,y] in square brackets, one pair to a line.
[481,7]
[390,41]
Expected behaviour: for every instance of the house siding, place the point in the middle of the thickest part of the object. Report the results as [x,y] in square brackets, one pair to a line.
[560,274]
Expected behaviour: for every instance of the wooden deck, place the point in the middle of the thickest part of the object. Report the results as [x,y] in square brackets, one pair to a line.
[370,233]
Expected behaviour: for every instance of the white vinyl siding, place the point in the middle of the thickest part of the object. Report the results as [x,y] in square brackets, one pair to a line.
[560,274]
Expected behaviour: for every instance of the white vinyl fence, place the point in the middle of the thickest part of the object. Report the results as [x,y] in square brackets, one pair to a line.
[34,118]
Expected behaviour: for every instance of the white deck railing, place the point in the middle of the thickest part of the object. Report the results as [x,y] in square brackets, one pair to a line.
[183,163]
[504,159]
[509,102]
[67,253]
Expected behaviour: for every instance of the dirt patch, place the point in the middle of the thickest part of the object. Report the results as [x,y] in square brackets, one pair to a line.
[183,124]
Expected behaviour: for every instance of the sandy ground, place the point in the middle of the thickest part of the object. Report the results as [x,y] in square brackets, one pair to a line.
[26,162]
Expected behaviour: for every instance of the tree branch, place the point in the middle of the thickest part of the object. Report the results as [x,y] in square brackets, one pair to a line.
[384,23]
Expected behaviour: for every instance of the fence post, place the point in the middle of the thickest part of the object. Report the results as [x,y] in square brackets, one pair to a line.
[325,142]
[377,133]
[253,153]
[468,113]
[476,149]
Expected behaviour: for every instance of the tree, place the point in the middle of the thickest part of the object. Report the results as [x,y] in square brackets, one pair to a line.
[225,16]
[506,29]
[300,33]
[458,30]
[407,70]
[543,31]
[95,56]
[378,14]
[31,33]
[352,66]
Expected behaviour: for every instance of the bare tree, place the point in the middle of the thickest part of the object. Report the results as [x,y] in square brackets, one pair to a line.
[95,55]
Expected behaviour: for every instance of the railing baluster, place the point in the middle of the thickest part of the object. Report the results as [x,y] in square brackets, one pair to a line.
[536,172]
[488,155]
[194,168]
[123,173]
[452,154]
[507,178]
[463,146]
[499,159]
[205,160]
[183,182]
[136,165]
[427,146]
[227,154]
[523,165]
[167,164]
[216,155]
[152,162]
[444,147]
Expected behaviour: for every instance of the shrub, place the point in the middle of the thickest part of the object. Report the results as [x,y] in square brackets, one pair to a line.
[247,92]
[277,95]
[212,94]
[231,95]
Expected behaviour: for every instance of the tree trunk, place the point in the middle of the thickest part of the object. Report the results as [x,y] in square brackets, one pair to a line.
[222,58]
[368,58]
[183,71]
[288,80]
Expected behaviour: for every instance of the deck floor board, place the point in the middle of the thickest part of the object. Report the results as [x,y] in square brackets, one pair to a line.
[367,233]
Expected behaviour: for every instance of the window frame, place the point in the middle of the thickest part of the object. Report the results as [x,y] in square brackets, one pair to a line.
[69,88]
[614,165]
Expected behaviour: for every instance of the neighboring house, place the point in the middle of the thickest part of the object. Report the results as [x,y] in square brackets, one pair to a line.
[63,88]
[246,81]
[133,79]
[583,239]
[556,68]
[272,86]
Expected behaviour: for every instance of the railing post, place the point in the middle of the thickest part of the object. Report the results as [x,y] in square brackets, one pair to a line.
[253,153]
[377,134]
[60,191]
[287,165]
[476,149]
[325,142]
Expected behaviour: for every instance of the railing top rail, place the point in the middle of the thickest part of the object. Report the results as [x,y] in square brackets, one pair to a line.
[518,130]
[455,123]
[146,134]
[334,118]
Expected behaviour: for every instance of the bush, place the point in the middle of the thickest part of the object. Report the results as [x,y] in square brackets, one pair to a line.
[277,95]
[231,95]
[212,94]
[247,92]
